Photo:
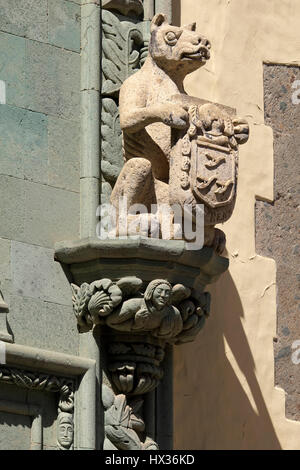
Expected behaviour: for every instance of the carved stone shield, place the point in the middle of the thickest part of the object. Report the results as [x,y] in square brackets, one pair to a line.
[212,174]
[203,163]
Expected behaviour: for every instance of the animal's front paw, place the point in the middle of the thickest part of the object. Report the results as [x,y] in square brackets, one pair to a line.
[175,115]
[219,241]
[241,130]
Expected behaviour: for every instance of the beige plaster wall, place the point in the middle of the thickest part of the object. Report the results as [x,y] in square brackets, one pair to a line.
[224,390]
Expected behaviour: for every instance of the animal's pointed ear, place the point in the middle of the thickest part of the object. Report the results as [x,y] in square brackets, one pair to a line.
[190,27]
[158,20]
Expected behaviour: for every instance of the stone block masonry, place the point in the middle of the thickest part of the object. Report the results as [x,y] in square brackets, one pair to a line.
[39,165]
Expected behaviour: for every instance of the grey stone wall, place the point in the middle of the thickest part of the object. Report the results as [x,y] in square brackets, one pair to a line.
[277,224]
[39,166]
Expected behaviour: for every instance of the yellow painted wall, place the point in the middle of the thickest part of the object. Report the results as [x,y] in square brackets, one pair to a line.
[224,390]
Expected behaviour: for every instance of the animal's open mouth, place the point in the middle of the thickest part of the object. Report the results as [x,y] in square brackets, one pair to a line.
[203,54]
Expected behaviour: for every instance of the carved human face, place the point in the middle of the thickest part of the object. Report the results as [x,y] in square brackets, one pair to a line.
[65,433]
[161,296]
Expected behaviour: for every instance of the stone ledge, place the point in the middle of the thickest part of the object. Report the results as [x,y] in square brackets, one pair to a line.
[90,259]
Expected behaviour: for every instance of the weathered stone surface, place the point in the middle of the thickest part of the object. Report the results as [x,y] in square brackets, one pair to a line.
[24,144]
[36,213]
[5,267]
[15,431]
[46,210]
[35,274]
[63,153]
[12,59]
[32,322]
[27,18]
[12,214]
[52,80]
[277,224]
[64,24]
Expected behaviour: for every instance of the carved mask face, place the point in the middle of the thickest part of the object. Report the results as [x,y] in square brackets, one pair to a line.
[177,48]
[161,296]
[65,432]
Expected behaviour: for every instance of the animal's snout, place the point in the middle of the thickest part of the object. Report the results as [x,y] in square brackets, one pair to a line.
[204,42]
[205,47]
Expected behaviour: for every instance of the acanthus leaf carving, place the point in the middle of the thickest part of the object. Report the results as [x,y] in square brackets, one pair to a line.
[111,141]
[121,44]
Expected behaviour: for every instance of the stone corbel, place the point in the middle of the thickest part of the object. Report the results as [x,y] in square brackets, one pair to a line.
[136,316]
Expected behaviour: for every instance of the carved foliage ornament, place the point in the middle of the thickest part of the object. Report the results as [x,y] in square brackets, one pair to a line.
[124,427]
[126,7]
[121,45]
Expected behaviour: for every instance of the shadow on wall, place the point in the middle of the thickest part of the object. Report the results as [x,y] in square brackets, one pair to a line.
[217,413]
[176,13]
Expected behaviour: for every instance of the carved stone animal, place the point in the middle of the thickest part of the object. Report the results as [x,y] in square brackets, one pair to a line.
[148,112]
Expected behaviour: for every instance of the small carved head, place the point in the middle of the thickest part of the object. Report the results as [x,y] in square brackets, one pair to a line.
[65,430]
[179,48]
[158,293]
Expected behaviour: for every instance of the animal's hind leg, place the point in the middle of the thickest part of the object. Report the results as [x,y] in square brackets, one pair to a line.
[136,183]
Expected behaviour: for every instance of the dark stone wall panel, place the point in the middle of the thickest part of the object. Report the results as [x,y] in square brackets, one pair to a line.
[277,224]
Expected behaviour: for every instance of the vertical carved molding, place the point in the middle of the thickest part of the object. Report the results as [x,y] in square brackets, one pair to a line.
[123,51]
[4,333]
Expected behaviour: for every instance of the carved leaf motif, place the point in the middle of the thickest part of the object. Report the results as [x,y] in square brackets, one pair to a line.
[80,298]
[121,43]
[111,141]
